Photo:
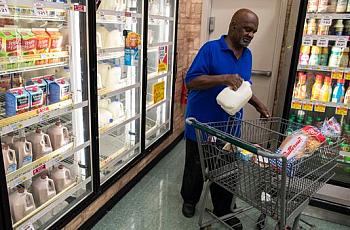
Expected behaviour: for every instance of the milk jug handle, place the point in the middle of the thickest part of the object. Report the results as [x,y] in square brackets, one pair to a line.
[28,146]
[29,201]
[12,154]
[47,140]
[51,185]
[65,132]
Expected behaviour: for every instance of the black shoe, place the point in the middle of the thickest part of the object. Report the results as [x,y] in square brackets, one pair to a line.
[188,210]
[235,223]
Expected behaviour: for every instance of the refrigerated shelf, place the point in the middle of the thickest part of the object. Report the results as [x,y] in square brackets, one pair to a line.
[328,37]
[327,104]
[155,76]
[117,124]
[103,12]
[103,93]
[323,68]
[327,15]
[112,55]
[45,4]
[153,47]
[33,68]
[32,117]
[159,17]
[116,157]
[152,105]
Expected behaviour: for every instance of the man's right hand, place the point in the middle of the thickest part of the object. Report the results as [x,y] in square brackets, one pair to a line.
[233,80]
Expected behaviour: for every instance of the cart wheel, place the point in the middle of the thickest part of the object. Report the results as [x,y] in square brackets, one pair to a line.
[260,224]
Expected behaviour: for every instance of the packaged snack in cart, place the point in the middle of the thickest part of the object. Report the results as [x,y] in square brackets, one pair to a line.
[331,128]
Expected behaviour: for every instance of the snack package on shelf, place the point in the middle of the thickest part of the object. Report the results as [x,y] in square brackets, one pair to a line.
[43,40]
[331,128]
[56,40]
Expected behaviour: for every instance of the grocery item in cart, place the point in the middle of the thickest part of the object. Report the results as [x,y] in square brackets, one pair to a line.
[36,96]
[41,143]
[21,204]
[56,40]
[62,178]
[16,101]
[301,143]
[59,90]
[28,42]
[331,128]
[43,40]
[59,135]
[9,158]
[24,151]
[43,189]
[232,101]
[10,43]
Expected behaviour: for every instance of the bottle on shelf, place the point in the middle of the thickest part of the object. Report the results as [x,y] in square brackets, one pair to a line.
[348,7]
[312,6]
[347,97]
[334,59]
[308,120]
[311,27]
[43,189]
[300,116]
[24,151]
[310,80]
[324,56]
[304,55]
[322,6]
[21,204]
[344,59]
[332,6]
[326,90]
[305,27]
[339,27]
[316,88]
[323,30]
[341,6]
[315,55]
[346,31]
[301,86]
[338,92]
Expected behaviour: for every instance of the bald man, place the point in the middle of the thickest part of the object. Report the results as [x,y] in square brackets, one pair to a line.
[218,64]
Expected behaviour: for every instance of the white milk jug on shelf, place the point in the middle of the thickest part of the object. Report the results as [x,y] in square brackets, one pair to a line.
[103,70]
[41,144]
[102,33]
[21,204]
[9,158]
[24,151]
[113,39]
[62,178]
[43,189]
[104,117]
[117,109]
[59,135]
[232,101]
[9,139]
[114,77]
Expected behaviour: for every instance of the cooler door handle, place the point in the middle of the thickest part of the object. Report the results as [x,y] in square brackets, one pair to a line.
[262,72]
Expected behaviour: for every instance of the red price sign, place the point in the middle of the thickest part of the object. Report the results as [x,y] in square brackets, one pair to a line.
[39,169]
[43,110]
[79,8]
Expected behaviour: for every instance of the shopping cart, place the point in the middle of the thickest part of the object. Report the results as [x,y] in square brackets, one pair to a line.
[265,180]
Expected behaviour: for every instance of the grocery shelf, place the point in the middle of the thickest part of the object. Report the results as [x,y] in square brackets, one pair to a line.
[150,131]
[323,68]
[328,15]
[41,211]
[103,12]
[32,117]
[158,44]
[34,18]
[111,55]
[28,171]
[155,76]
[117,158]
[329,37]
[154,105]
[103,93]
[159,17]
[45,4]
[327,104]
[110,21]
[116,124]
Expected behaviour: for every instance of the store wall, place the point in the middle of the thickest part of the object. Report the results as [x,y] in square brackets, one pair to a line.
[188,43]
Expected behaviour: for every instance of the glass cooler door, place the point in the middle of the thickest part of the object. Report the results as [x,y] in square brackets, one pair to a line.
[44,109]
[119,32]
[160,61]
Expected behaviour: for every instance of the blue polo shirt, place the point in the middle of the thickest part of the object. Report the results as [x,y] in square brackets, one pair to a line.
[214,58]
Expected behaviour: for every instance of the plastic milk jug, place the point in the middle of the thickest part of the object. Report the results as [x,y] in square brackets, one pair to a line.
[41,144]
[9,158]
[9,139]
[232,101]
[114,77]
[62,178]
[24,151]
[59,135]
[43,189]
[104,117]
[103,70]
[117,109]
[21,204]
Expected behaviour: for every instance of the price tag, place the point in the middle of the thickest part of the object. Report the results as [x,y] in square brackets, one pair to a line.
[158,90]
[308,106]
[43,56]
[347,76]
[343,111]
[337,75]
[4,9]
[307,41]
[43,109]
[13,59]
[326,21]
[39,169]
[320,108]
[79,8]
[296,105]
[322,42]
[341,42]
[40,12]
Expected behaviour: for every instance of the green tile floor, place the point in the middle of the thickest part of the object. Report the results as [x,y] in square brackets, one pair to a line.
[155,203]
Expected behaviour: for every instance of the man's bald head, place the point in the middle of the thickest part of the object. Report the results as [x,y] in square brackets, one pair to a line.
[244,23]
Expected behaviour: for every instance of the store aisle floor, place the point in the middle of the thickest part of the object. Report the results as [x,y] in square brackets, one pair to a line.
[155,202]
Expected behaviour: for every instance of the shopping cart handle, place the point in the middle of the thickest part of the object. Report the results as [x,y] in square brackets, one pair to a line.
[191,120]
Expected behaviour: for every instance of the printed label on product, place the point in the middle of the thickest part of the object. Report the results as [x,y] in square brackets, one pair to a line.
[11,168]
[347,76]
[27,160]
[163,59]
[312,131]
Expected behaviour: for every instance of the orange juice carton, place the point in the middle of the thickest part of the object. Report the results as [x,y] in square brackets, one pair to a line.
[16,101]
[56,40]
[35,96]
[59,90]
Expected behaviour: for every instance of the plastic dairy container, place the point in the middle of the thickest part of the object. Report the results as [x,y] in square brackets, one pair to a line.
[339,91]
[43,189]
[232,101]
[36,96]
[41,144]
[9,158]
[21,204]
[59,90]
[24,151]
[59,135]
[62,178]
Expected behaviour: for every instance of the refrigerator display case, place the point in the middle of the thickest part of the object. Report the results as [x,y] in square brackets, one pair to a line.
[319,83]
[160,68]
[119,32]
[44,112]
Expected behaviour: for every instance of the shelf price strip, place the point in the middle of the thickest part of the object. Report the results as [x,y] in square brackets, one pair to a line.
[326,20]
[341,42]
[340,110]
[296,105]
[337,75]
[307,41]
[321,108]
[308,106]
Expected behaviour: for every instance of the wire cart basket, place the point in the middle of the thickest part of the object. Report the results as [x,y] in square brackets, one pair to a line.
[265,180]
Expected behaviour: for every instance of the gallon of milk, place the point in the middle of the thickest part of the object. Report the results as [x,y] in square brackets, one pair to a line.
[114,77]
[41,144]
[21,204]
[9,158]
[104,117]
[117,109]
[62,178]
[59,135]
[232,101]
[43,189]
[24,151]
[9,139]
